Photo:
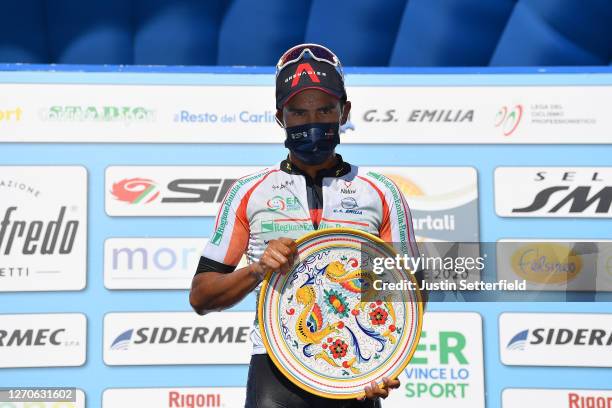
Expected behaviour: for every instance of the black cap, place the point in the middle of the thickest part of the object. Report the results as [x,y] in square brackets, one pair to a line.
[308,73]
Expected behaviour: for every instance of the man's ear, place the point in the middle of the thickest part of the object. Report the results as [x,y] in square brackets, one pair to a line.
[345,112]
[279,118]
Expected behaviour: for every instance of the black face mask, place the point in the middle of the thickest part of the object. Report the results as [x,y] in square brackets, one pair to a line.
[313,143]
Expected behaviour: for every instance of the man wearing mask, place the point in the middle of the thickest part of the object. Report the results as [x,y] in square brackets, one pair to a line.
[313,188]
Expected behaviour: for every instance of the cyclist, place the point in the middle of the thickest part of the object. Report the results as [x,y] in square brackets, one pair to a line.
[313,188]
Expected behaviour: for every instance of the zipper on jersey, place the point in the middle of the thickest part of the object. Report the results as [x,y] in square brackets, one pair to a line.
[314,194]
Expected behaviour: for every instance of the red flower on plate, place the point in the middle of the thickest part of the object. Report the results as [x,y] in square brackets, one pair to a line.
[338,348]
[378,316]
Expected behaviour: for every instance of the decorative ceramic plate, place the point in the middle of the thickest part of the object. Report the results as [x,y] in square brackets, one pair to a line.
[323,325]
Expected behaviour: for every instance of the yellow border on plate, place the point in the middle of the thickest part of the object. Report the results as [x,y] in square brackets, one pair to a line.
[289,376]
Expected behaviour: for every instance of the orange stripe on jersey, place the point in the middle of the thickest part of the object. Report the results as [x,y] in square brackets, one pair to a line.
[384,231]
[240,233]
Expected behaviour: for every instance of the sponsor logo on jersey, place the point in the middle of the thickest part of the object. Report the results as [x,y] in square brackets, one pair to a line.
[349,206]
[349,203]
[347,189]
[280,203]
[280,226]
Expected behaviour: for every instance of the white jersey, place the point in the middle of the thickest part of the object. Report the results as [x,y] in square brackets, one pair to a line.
[281,201]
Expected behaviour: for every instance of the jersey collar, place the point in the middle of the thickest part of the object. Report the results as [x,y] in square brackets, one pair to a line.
[340,169]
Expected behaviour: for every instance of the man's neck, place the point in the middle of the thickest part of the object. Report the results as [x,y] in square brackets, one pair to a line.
[312,170]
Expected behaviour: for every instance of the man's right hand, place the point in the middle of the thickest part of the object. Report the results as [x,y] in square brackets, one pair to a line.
[278,256]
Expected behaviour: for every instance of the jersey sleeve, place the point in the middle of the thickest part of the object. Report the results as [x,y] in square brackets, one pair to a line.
[396,224]
[402,230]
[399,222]
[230,236]
[231,233]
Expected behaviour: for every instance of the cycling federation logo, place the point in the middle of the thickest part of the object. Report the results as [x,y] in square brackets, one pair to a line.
[508,118]
[135,190]
[122,342]
[518,341]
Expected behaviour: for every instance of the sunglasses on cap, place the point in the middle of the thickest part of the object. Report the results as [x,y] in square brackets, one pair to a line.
[316,52]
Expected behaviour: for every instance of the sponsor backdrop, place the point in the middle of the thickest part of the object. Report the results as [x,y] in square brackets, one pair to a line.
[109,182]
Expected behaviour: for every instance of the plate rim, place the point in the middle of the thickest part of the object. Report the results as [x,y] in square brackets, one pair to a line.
[260,311]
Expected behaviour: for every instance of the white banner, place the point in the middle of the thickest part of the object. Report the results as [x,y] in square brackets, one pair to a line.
[168,338]
[556,339]
[443,201]
[447,368]
[245,114]
[570,192]
[152,263]
[188,397]
[555,398]
[43,340]
[43,228]
[556,265]
[169,190]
